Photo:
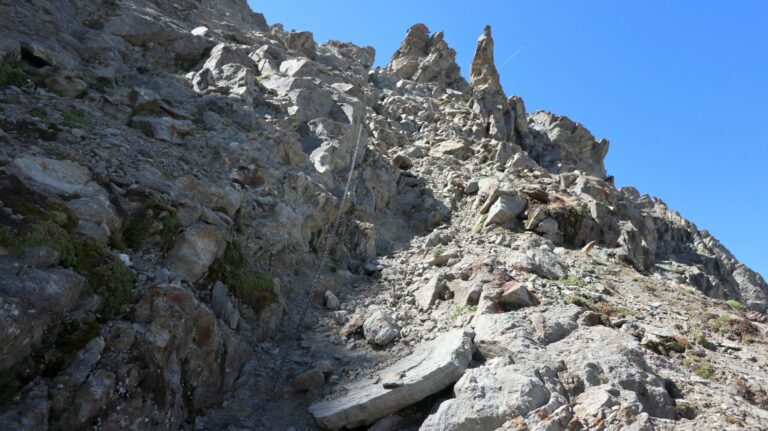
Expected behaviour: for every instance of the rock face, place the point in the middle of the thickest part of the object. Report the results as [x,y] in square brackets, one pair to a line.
[171,174]
[429,369]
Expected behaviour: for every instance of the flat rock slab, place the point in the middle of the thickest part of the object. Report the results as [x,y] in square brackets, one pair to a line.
[432,367]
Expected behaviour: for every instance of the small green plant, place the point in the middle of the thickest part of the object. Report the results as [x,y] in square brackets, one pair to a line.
[571,280]
[625,312]
[460,310]
[438,251]
[478,227]
[252,288]
[705,370]
[18,74]
[719,324]
[736,305]
[699,337]
[75,119]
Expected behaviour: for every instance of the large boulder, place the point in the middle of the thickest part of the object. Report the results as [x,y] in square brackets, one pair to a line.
[487,397]
[432,367]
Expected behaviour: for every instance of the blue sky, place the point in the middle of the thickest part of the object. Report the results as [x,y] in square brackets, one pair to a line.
[680,88]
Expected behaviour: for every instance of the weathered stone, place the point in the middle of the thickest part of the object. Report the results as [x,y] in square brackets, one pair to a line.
[539,261]
[506,208]
[298,67]
[515,295]
[162,128]
[354,323]
[195,251]
[330,300]
[429,369]
[562,145]
[309,380]
[90,399]
[488,396]
[455,148]
[222,305]
[556,323]
[507,335]
[427,293]
[380,329]
[60,177]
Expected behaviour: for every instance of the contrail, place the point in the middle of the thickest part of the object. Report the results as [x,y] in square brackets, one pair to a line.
[512,56]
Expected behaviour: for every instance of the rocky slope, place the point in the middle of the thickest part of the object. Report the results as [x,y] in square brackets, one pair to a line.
[171,173]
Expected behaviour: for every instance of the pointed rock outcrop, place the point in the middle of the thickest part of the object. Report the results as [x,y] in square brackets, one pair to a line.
[427,58]
[483,74]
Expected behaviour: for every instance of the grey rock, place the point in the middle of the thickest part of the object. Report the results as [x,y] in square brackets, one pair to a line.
[162,128]
[29,411]
[516,295]
[96,217]
[538,261]
[380,329]
[222,305]
[59,177]
[432,367]
[309,380]
[195,251]
[488,396]
[427,293]
[455,148]
[563,145]
[331,301]
[556,322]
[90,399]
[506,208]
[39,257]
[506,335]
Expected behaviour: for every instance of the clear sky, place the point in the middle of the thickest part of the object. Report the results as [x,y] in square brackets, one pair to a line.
[680,88]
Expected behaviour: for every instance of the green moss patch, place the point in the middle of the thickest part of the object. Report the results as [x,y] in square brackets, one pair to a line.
[48,223]
[477,229]
[75,119]
[19,74]
[571,280]
[253,288]
[152,219]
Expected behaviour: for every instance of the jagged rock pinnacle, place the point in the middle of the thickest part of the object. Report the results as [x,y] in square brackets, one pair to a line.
[427,58]
[483,72]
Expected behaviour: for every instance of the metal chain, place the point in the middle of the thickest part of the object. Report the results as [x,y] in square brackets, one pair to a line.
[331,236]
[329,244]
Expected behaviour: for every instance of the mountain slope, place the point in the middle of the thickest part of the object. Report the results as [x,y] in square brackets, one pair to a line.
[171,176]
